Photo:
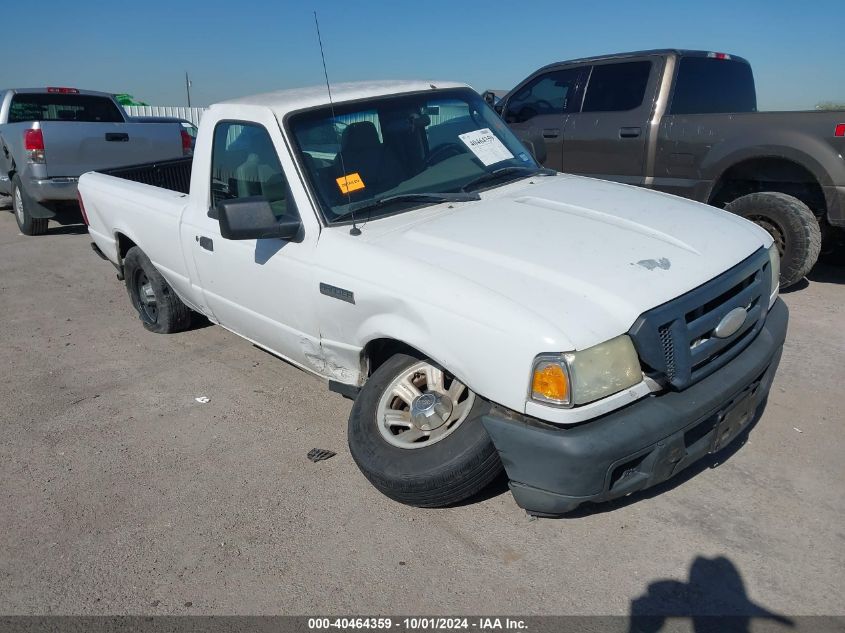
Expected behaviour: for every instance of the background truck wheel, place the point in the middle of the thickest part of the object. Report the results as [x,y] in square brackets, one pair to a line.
[415,432]
[20,205]
[793,226]
[160,310]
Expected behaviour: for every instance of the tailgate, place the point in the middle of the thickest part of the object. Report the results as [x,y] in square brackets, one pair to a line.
[73,148]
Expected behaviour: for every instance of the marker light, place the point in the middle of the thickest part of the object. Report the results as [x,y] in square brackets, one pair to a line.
[550,382]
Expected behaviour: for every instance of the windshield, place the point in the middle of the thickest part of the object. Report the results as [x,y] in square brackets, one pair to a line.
[376,156]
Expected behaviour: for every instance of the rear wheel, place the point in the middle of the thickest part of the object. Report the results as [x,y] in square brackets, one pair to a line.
[159,309]
[791,224]
[415,432]
[20,205]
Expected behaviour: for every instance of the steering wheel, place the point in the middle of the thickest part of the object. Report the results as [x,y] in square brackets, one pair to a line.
[447,150]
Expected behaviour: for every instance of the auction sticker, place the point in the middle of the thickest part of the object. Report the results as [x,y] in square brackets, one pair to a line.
[486,146]
[350,182]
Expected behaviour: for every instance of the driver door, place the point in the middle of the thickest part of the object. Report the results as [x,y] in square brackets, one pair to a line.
[540,107]
[254,286]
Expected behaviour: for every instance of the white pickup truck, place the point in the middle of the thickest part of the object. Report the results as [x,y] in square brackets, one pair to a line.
[590,338]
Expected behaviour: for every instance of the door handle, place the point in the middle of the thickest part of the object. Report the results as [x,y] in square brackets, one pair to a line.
[118,137]
[629,132]
[206,242]
[551,133]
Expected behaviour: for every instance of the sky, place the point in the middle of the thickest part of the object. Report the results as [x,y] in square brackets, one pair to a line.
[236,48]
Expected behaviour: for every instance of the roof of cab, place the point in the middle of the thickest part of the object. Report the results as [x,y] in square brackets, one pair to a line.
[282,102]
[680,52]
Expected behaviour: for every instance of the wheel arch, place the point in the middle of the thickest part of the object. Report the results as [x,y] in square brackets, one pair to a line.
[791,173]
[124,243]
[379,349]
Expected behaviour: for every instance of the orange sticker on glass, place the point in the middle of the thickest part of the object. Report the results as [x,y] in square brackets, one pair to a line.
[350,182]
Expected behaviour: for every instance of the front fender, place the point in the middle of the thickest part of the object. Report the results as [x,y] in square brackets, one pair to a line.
[494,363]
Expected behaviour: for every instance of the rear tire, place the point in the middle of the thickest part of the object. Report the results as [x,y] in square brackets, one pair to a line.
[20,206]
[459,462]
[793,226]
[158,307]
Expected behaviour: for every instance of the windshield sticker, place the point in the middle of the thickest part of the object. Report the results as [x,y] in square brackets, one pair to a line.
[524,157]
[486,146]
[350,182]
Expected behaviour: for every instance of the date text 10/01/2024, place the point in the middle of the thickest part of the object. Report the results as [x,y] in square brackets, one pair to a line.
[418,623]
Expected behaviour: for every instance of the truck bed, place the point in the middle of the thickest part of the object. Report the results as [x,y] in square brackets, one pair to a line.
[174,175]
[142,205]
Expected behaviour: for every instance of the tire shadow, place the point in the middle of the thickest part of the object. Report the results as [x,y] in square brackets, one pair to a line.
[495,488]
[198,322]
[828,273]
[67,229]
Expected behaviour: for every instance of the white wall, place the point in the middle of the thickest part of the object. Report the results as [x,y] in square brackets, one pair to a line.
[179,112]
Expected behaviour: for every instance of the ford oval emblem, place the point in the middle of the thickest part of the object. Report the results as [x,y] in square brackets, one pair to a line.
[730,323]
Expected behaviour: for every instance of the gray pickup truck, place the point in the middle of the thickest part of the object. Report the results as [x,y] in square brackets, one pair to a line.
[51,136]
[686,122]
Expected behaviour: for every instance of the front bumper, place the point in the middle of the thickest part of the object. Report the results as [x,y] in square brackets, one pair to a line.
[553,470]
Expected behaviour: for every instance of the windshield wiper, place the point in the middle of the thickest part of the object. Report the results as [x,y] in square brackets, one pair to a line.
[369,205]
[497,174]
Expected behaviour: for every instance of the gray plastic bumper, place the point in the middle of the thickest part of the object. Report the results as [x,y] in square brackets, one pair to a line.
[553,470]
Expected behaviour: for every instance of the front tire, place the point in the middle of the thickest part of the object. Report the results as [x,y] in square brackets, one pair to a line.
[793,226]
[20,205]
[415,432]
[158,307]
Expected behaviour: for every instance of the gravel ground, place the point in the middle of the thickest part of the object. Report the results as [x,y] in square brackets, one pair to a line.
[122,494]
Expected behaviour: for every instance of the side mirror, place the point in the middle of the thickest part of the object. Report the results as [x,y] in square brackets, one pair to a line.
[253,219]
[489,96]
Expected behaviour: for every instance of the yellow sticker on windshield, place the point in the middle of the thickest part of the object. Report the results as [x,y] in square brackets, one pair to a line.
[350,182]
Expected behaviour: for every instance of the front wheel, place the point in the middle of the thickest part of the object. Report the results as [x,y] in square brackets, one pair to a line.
[415,432]
[159,309]
[793,226]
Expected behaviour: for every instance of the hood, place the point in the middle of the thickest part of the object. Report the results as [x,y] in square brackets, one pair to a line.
[587,256]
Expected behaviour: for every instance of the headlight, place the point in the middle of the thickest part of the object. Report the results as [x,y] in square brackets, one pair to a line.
[774,268]
[565,380]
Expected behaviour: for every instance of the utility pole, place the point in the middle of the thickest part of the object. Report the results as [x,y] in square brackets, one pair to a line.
[188,88]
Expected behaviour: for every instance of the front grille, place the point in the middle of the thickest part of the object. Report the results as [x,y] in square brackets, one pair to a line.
[675,341]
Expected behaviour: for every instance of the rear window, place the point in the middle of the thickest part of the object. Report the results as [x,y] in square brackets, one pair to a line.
[63,107]
[706,86]
[617,87]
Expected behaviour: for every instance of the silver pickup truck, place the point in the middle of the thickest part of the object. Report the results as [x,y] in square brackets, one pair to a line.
[50,136]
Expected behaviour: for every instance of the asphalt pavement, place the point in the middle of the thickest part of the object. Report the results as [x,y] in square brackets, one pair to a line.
[121,493]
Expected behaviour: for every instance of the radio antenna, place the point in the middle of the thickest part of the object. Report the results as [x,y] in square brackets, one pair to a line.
[354,230]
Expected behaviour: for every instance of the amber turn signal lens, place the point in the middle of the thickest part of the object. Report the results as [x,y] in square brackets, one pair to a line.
[550,383]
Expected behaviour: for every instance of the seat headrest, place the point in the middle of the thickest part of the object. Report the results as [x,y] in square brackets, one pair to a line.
[361,135]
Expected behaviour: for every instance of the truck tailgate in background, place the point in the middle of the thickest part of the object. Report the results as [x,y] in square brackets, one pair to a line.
[73,148]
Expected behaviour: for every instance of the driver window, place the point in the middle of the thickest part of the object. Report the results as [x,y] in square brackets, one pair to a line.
[244,163]
[552,93]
